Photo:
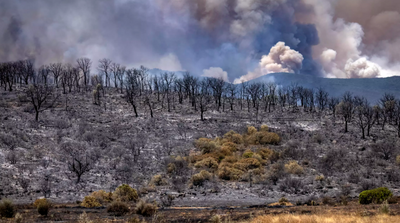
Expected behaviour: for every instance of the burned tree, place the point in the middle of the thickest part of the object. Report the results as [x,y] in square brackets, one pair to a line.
[42,97]
[132,89]
[203,97]
[346,109]
[57,70]
[105,68]
[80,158]
[84,65]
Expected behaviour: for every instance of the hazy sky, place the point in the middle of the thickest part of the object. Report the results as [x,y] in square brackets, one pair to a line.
[232,39]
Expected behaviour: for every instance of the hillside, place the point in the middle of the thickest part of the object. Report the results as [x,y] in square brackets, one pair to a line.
[371,88]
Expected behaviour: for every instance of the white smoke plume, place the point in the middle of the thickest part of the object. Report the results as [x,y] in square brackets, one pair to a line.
[362,68]
[216,72]
[281,59]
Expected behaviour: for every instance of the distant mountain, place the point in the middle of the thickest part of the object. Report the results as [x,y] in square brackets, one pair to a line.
[371,88]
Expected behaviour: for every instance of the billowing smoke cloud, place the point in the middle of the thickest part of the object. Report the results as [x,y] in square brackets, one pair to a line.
[280,59]
[216,72]
[361,68]
[332,36]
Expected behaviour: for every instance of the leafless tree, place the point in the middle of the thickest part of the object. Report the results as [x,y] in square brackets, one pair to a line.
[322,98]
[231,96]
[42,97]
[346,109]
[203,97]
[132,89]
[80,158]
[57,69]
[84,65]
[364,115]
[105,68]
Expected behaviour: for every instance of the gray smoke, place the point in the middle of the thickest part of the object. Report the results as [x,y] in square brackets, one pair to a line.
[336,38]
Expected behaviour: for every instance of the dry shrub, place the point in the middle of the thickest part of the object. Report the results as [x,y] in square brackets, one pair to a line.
[84,218]
[251,130]
[145,209]
[263,138]
[125,193]
[233,147]
[18,218]
[247,154]
[293,167]
[199,178]
[7,209]
[228,173]
[118,208]
[320,178]
[205,145]
[233,137]
[398,160]
[216,219]
[226,151]
[290,218]
[207,163]
[102,197]
[42,205]
[158,180]
[247,164]
[90,202]
[229,159]
[264,128]
[265,153]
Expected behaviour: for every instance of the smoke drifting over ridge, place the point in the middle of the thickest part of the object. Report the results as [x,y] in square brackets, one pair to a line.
[335,38]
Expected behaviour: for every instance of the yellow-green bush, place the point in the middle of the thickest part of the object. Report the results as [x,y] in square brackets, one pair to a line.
[125,193]
[207,163]
[293,167]
[39,201]
[225,151]
[205,145]
[234,137]
[398,160]
[265,153]
[263,138]
[90,202]
[158,180]
[43,207]
[247,154]
[227,173]
[233,147]
[199,178]
[251,130]
[145,209]
[377,195]
[247,164]
[264,128]
[118,208]
[102,197]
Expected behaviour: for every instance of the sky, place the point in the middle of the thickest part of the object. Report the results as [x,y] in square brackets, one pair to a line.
[236,40]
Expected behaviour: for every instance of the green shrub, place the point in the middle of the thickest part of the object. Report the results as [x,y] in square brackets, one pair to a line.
[377,195]
[118,208]
[247,154]
[145,209]
[125,193]
[7,209]
[90,202]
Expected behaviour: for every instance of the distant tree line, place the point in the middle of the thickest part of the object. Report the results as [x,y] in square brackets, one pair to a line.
[145,91]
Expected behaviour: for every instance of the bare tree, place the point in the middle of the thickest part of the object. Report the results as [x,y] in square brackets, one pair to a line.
[346,109]
[80,158]
[203,97]
[57,70]
[42,97]
[231,88]
[105,68]
[132,89]
[322,98]
[364,115]
[84,65]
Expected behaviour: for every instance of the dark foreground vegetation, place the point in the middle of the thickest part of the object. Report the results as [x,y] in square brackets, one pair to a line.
[124,143]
